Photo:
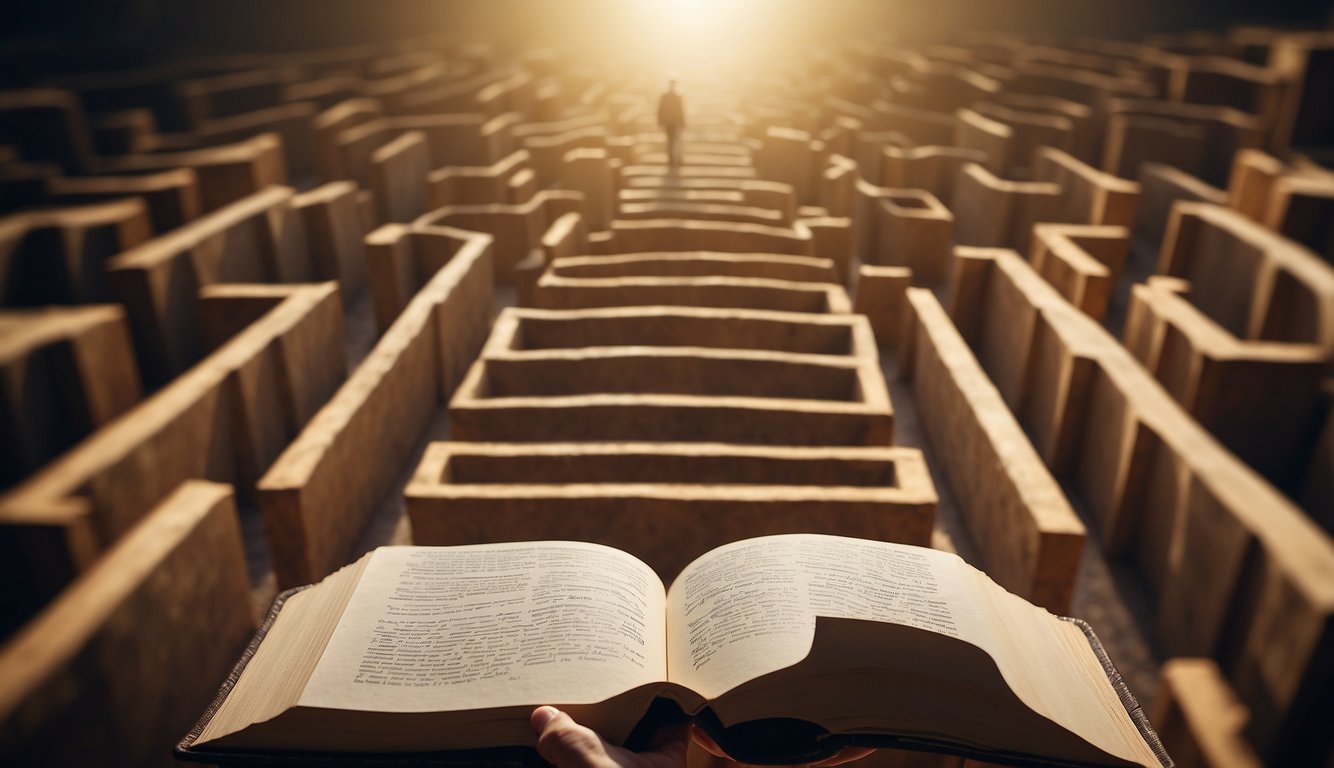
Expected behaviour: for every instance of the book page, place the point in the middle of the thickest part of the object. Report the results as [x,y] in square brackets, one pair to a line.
[1049,665]
[275,676]
[749,608]
[451,628]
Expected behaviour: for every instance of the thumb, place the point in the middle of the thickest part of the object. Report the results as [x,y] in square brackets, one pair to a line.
[566,744]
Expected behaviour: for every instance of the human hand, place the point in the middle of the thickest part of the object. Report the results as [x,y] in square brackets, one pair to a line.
[566,744]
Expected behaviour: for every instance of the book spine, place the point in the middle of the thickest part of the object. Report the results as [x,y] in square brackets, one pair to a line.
[182,748]
[1127,698]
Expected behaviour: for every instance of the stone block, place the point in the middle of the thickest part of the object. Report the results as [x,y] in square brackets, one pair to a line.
[236,406]
[321,490]
[932,168]
[172,197]
[61,255]
[1089,196]
[1232,564]
[923,126]
[1085,130]
[1251,182]
[593,172]
[1199,139]
[121,663]
[687,393]
[697,264]
[453,139]
[1199,719]
[1083,263]
[259,239]
[554,292]
[1259,398]
[335,234]
[757,192]
[64,373]
[993,212]
[329,124]
[685,235]
[226,173]
[482,185]
[666,503]
[517,229]
[881,298]
[398,177]
[1306,59]
[1255,284]
[983,134]
[50,126]
[1160,187]
[234,93]
[548,152]
[699,211]
[788,157]
[1028,537]
[1029,132]
[903,228]
[290,122]
[1302,208]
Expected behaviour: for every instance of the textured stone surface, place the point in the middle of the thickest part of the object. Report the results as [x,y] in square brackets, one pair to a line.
[121,664]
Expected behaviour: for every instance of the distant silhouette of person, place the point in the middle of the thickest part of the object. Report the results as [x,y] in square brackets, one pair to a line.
[672,118]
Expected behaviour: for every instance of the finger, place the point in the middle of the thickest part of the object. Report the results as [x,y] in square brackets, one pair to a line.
[706,741]
[563,742]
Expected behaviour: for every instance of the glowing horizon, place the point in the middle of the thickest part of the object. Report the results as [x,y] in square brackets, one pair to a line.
[700,41]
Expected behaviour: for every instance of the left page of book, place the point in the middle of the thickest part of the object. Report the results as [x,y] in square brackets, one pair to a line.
[274,677]
[434,629]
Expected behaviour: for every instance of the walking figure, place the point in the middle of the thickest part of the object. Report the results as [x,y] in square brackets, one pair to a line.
[672,118]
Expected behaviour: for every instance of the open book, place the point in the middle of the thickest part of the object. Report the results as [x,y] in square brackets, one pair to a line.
[783,647]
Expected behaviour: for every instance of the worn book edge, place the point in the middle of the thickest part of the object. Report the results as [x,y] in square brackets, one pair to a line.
[523,756]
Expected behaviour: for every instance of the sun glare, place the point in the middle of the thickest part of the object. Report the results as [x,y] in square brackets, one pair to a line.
[700,39]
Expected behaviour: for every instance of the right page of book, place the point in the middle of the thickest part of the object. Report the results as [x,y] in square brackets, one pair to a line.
[1049,664]
[433,629]
[750,608]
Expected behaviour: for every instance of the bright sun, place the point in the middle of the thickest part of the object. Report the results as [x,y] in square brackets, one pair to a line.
[701,38]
